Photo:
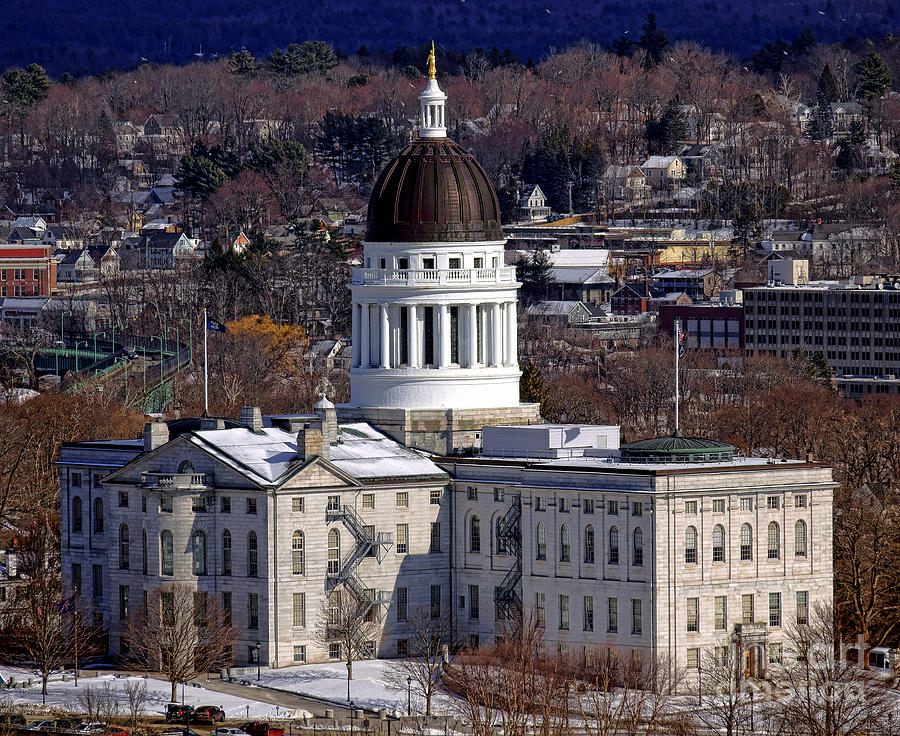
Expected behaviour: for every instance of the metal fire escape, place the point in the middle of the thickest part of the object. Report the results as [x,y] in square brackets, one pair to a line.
[367,544]
[510,538]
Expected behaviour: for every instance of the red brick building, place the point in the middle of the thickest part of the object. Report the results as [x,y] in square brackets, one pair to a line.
[27,270]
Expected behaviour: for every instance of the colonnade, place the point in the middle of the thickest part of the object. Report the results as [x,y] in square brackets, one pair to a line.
[470,335]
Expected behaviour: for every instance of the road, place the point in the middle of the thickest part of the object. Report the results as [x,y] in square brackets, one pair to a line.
[273,697]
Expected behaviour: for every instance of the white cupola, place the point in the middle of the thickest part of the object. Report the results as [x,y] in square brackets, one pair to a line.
[432,118]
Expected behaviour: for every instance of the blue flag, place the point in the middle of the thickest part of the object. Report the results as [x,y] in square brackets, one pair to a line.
[215,325]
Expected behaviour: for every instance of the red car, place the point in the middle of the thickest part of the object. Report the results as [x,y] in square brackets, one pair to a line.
[116,731]
[208,714]
[262,728]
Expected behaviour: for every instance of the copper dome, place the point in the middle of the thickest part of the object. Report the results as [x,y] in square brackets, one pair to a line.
[433,191]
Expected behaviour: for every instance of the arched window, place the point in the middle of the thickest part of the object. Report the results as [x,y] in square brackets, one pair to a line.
[226,552]
[690,545]
[541,547]
[334,551]
[746,542]
[298,559]
[589,544]
[774,541]
[198,552]
[186,467]
[800,538]
[718,543]
[144,550]
[124,547]
[167,553]
[565,548]
[252,555]
[500,528]
[637,549]
[98,515]
[76,515]
[613,546]
[475,534]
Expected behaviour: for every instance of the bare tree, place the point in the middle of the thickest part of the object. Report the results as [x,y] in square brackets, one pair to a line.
[99,702]
[182,633]
[351,622]
[428,640]
[138,695]
[724,706]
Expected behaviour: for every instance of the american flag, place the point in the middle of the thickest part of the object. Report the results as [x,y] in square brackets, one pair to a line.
[679,337]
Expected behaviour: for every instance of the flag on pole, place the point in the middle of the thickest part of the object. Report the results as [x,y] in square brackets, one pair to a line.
[215,325]
[681,335]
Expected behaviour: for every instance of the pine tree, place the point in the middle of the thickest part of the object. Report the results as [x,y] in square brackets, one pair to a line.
[622,46]
[654,41]
[242,64]
[531,385]
[874,77]
[827,86]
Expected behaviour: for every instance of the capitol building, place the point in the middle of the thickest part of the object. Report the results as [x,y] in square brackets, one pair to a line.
[434,489]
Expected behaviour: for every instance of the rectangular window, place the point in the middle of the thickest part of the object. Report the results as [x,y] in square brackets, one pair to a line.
[499,495]
[98,581]
[226,605]
[540,609]
[747,608]
[76,479]
[370,534]
[333,503]
[402,647]
[435,601]
[402,599]
[718,505]
[690,507]
[563,505]
[693,658]
[253,610]
[251,505]
[564,612]
[299,609]
[637,508]
[434,497]
[198,504]
[746,504]
[589,613]
[144,504]
[368,500]
[471,493]
[539,503]
[474,603]
[693,614]
[300,653]
[612,624]
[402,499]
[772,503]
[297,505]
[588,505]
[402,539]
[123,602]
[802,607]
[637,625]
[435,544]
[774,609]
[721,612]
[334,650]
[76,577]
[226,504]
[123,499]
[800,501]
[612,508]
[774,650]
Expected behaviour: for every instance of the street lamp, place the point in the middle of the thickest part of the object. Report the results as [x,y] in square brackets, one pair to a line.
[409,696]
[95,342]
[351,718]
[349,672]
[77,343]
[258,661]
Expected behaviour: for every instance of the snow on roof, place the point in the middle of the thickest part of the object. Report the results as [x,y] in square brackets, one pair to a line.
[267,455]
[579,275]
[567,257]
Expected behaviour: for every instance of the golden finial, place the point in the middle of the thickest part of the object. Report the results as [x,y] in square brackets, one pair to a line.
[432,71]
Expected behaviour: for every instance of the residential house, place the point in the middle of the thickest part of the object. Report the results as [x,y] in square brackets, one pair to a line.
[582,284]
[560,313]
[698,283]
[700,161]
[664,172]
[60,237]
[163,250]
[27,230]
[533,204]
[76,267]
[626,183]
[632,297]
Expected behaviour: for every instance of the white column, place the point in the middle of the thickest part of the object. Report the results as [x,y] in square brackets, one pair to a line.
[412,336]
[385,356]
[365,349]
[471,342]
[512,335]
[496,336]
[354,333]
[443,336]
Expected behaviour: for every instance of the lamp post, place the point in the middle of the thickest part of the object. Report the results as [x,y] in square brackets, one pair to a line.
[62,336]
[349,670]
[409,696]
[258,662]
[77,343]
[351,718]
[95,342]
[699,681]
[751,711]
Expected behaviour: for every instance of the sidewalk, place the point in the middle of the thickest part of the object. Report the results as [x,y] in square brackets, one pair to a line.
[273,697]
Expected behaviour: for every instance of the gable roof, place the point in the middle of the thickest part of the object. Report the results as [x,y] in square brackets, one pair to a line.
[579,275]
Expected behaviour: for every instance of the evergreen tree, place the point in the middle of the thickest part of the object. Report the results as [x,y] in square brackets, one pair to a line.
[895,174]
[654,41]
[24,87]
[531,385]
[622,46]
[538,276]
[243,64]
[198,175]
[666,132]
[874,77]
[827,86]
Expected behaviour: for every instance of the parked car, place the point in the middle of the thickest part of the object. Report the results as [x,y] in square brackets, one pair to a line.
[227,731]
[208,714]
[91,727]
[116,731]
[262,728]
[180,732]
[40,725]
[67,724]
[176,713]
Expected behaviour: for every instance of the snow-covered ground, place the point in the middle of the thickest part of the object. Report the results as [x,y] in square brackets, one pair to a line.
[64,696]
[369,687]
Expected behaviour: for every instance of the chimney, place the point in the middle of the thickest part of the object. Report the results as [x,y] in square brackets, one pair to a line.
[156,434]
[251,418]
[809,457]
[309,441]
[328,416]
[208,423]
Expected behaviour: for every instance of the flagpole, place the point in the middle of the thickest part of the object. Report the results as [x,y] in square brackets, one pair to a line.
[677,351]
[206,365]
